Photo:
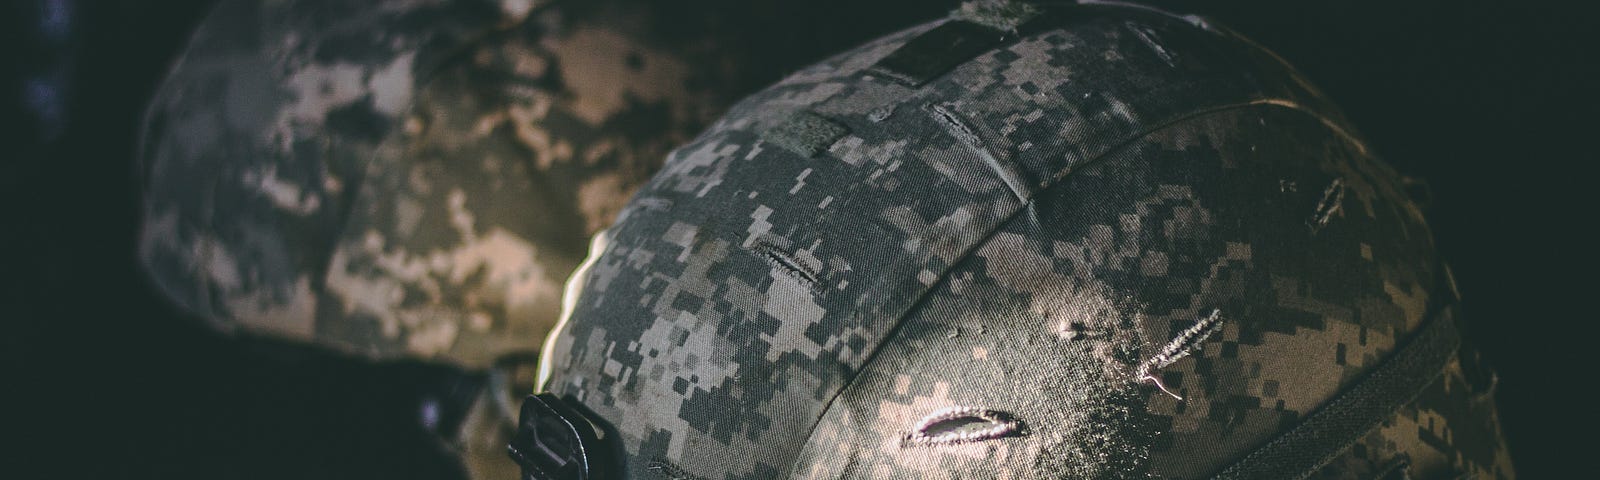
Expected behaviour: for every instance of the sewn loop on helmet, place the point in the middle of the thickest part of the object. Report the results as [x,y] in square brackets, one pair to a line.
[956,425]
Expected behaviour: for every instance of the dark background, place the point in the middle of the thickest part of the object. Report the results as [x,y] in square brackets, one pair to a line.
[1489,101]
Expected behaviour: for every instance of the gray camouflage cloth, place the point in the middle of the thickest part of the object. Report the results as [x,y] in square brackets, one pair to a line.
[1114,244]
[407,179]
[414,179]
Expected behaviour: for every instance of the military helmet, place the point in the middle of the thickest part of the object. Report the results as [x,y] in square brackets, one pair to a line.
[416,179]
[1031,240]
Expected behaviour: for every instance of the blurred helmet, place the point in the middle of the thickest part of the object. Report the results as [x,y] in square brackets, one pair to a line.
[416,179]
[401,179]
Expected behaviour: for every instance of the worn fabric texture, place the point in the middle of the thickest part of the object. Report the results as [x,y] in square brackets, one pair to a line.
[256,144]
[1118,244]
[416,179]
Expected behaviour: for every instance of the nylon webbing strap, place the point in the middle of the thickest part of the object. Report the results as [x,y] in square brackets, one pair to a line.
[1329,431]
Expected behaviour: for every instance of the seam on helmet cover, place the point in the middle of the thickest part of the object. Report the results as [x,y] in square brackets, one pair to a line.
[961,425]
[969,137]
[1150,39]
[1191,19]
[787,264]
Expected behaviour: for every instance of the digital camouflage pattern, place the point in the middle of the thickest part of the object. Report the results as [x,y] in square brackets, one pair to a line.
[256,144]
[1451,431]
[400,179]
[416,178]
[470,218]
[851,253]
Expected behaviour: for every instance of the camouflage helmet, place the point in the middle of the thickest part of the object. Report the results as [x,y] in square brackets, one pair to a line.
[415,179]
[1028,241]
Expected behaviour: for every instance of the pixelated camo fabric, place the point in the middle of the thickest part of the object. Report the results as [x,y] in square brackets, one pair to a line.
[408,179]
[1111,243]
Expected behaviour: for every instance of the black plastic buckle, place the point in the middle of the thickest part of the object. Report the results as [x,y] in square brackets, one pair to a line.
[556,442]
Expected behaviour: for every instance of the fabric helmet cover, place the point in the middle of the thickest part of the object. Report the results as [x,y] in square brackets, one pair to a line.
[1086,241]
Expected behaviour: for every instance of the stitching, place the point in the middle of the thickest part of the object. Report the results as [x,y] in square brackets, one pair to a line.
[1332,199]
[999,425]
[1188,341]
[789,265]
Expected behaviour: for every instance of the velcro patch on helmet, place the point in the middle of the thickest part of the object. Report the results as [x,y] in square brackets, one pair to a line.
[805,133]
[937,51]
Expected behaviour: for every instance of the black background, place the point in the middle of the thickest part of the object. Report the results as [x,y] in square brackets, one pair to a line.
[1489,101]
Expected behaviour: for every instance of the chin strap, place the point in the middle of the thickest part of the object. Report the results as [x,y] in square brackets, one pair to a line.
[1338,424]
